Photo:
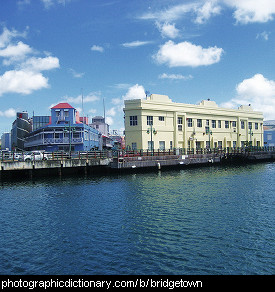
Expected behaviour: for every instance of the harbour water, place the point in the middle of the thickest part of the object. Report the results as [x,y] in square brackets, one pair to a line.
[207,221]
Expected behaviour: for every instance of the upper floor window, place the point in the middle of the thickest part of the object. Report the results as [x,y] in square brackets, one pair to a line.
[256,126]
[219,123]
[161,118]
[180,120]
[133,121]
[249,125]
[213,123]
[226,124]
[190,122]
[242,124]
[149,120]
[199,123]
[234,124]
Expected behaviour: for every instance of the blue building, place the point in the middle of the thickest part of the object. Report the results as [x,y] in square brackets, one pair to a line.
[65,131]
[6,141]
[269,133]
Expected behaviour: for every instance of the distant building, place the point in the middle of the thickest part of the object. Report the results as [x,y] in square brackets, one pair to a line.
[64,132]
[159,123]
[269,133]
[6,141]
[99,124]
[21,127]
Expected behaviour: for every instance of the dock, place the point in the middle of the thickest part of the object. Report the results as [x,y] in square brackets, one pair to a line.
[119,161]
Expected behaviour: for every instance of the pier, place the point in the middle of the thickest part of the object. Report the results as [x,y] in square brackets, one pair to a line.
[58,164]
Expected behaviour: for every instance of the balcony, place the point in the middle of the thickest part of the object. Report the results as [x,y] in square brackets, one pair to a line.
[53,141]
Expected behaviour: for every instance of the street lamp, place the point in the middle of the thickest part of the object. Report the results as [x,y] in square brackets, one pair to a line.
[209,132]
[152,131]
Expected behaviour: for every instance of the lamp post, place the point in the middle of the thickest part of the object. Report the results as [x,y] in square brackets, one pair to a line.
[251,134]
[209,132]
[151,131]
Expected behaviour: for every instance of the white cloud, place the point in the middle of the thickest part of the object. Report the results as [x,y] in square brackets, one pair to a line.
[41,64]
[50,3]
[257,91]
[111,112]
[168,30]
[24,82]
[263,35]
[16,52]
[91,97]
[187,54]
[175,76]
[205,12]
[26,75]
[135,44]
[76,74]
[250,11]
[9,113]
[109,121]
[97,49]
[135,92]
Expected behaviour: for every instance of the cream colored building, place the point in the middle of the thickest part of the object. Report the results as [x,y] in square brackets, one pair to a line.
[157,121]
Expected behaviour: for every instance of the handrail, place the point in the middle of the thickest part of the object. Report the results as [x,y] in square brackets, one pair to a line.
[97,154]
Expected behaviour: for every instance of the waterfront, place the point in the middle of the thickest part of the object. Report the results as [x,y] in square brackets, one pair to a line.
[210,220]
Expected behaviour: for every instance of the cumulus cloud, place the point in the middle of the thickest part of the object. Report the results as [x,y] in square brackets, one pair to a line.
[26,75]
[9,113]
[187,54]
[24,82]
[135,92]
[250,11]
[257,91]
[207,10]
[168,30]
[97,48]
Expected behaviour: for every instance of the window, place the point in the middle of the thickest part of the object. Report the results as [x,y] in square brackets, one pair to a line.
[199,123]
[234,144]
[234,124]
[207,144]
[179,127]
[256,126]
[207,123]
[213,123]
[249,125]
[57,112]
[161,119]
[161,145]
[133,121]
[134,146]
[220,144]
[219,123]
[171,145]
[226,124]
[149,120]
[180,120]
[190,122]
[242,124]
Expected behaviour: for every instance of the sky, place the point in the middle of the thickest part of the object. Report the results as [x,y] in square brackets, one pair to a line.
[94,54]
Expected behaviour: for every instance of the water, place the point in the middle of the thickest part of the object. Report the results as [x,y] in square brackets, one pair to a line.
[216,220]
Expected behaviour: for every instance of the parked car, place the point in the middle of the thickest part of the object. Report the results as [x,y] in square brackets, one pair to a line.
[35,155]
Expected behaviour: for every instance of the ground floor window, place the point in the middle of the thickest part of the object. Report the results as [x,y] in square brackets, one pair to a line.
[161,145]
[134,146]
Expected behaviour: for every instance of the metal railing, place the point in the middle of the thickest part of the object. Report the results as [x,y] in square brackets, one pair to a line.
[96,154]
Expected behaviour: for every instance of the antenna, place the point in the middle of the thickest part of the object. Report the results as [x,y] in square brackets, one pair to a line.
[104,108]
[82,105]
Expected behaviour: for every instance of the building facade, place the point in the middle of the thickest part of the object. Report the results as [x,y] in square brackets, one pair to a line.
[64,132]
[99,124]
[158,123]
[269,133]
[6,141]
[21,127]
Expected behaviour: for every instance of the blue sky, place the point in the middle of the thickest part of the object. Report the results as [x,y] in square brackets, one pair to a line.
[55,51]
